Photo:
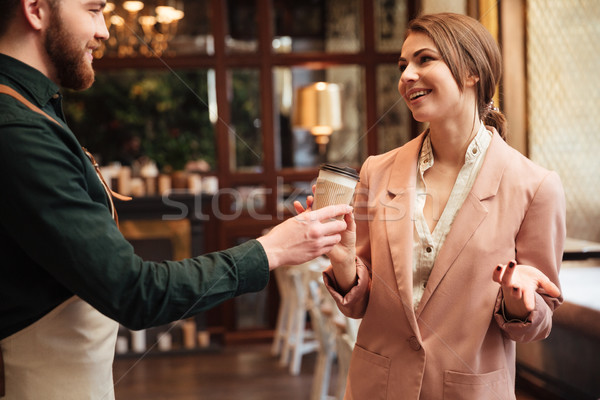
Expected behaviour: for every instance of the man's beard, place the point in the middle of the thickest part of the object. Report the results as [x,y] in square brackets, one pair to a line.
[68,59]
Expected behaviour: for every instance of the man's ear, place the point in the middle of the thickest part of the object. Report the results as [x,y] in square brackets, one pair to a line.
[36,13]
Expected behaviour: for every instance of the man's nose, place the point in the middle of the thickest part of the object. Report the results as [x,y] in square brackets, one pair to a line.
[101,29]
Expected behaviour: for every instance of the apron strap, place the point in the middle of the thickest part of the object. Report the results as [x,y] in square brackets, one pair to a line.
[107,189]
[12,92]
[110,194]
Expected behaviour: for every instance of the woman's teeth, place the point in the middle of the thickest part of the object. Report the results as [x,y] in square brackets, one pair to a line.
[418,94]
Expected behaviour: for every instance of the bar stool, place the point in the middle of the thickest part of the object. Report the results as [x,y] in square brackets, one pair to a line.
[299,339]
[293,339]
[343,330]
[284,312]
[325,336]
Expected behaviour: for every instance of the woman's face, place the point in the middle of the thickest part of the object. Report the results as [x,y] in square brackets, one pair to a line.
[426,83]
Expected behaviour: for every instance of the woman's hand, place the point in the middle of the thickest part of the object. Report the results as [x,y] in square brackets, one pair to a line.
[519,284]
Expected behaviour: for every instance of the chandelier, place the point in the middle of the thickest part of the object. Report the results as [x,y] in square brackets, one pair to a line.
[140,28]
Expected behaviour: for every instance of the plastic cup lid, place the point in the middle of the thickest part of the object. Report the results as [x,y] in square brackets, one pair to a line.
[346,171]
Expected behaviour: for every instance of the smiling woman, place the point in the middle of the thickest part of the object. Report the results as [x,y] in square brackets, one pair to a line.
[434,51]
[425,214]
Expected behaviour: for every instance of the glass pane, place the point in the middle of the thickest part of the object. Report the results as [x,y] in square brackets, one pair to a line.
[288,193]
[246,126]
[563,99]
[158,29]
[390,24]
[393,115]
[315,25]
[128,116]
[297,147]
[248,199]
[251,310]
[194,34]
[243,29]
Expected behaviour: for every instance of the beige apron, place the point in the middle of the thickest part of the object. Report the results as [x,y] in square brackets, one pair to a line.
[68,354]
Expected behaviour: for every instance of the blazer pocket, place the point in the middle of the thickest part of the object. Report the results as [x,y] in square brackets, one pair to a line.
[368,375]
[492,385]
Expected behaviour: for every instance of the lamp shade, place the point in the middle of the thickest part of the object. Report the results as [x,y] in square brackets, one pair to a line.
[318,108]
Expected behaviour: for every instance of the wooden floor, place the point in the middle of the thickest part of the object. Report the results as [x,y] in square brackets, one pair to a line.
[235,372]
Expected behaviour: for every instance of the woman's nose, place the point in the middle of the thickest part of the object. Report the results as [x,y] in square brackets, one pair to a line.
[409,74]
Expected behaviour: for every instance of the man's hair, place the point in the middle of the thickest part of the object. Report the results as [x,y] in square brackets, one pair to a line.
[8,10]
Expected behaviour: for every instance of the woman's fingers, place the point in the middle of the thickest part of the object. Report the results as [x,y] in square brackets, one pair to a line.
[309,201]
[498,272]
[516,292]
[548,286]
[520,283]
[529,301]
[298,207]
[509,271]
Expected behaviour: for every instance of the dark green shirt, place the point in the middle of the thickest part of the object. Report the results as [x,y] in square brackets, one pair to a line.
[57,237]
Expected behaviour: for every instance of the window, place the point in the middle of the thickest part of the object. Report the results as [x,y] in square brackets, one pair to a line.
[221,93]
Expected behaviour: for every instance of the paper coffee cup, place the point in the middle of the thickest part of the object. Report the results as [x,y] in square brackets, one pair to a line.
[335,185]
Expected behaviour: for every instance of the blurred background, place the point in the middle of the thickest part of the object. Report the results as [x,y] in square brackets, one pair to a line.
[198,101]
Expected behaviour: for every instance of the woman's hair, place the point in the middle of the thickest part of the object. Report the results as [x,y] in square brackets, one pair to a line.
[469,50]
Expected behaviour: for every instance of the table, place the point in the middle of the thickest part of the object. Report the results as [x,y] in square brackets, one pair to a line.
[577,249]
[173,206]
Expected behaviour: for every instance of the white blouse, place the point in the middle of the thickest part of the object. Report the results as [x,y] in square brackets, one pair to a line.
[427,244]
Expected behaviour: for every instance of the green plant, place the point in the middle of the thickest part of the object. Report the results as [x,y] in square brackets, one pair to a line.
[165,111]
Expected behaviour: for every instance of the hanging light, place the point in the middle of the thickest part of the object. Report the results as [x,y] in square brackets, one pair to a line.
[318,108]
[138,29]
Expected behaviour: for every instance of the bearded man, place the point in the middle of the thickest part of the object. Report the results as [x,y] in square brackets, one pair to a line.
[67,275]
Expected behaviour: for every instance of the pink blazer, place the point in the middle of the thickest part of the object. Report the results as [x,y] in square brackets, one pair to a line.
[455,345]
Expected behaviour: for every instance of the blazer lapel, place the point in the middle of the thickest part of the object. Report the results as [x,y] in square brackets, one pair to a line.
[470,215]
[398,220]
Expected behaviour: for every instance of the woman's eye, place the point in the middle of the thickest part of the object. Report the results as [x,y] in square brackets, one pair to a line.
[425,59]
[402,67]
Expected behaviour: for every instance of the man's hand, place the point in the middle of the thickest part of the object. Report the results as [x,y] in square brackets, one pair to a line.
[345,251]
[342,255]
[305,236]
[519,284]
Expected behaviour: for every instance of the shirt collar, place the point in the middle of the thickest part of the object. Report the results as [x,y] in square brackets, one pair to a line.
[476,148]
[39,88]
[478,145]
[426,157]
